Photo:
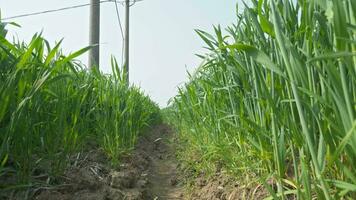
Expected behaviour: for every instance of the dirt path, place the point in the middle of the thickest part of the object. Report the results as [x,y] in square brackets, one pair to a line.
[149,172]
[163,182]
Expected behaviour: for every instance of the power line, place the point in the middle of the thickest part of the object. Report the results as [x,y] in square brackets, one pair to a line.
[118,18]
[133,2]
[51,11]
[122,32]
[61,9]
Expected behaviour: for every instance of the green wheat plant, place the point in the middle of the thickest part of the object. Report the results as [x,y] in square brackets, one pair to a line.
[275,98]
[52,107]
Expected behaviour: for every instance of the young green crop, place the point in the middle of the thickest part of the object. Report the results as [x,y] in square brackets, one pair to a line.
[276,98]
[50,108]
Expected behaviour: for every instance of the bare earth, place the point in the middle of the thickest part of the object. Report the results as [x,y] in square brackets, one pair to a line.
[149,172]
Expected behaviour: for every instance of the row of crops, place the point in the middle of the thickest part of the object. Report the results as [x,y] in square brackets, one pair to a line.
[275,98]
[51,108]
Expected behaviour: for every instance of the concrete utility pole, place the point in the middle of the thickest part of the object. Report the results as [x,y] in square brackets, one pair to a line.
[127,40]
[94,33]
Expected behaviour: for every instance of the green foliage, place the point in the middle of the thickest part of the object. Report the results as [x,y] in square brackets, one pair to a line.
[276,98]
[50,108]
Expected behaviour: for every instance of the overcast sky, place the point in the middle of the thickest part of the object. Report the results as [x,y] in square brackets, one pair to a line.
[163,41]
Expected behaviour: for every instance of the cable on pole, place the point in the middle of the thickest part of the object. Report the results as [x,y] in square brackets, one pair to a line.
[133,3]
[60,9]
[121,30]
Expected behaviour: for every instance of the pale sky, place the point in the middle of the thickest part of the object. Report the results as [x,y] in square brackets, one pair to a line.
[163,41]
